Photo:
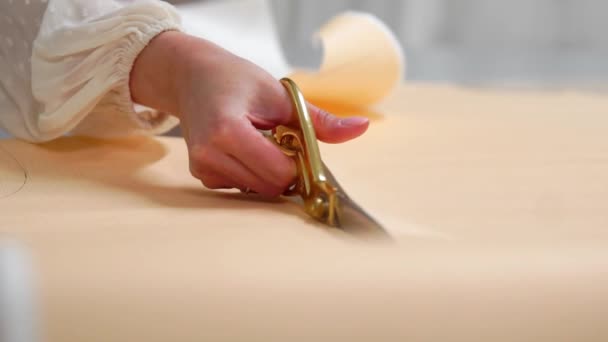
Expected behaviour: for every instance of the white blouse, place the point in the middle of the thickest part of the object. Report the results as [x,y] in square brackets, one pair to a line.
[65,65]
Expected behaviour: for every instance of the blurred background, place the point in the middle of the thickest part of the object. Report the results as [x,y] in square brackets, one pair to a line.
[535,43]
[479,43]
[538,43]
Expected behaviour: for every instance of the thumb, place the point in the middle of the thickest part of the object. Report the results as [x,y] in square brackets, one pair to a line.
[274,107]
[332,129]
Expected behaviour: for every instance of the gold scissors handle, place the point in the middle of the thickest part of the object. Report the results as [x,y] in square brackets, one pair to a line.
[312,185]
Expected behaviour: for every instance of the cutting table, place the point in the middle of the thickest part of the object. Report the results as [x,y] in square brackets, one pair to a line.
[497,201]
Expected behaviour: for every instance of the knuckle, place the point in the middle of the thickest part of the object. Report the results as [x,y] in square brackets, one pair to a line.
[325,117]
[200,159]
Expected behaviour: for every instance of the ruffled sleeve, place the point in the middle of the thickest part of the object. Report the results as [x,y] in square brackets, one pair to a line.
[81,62]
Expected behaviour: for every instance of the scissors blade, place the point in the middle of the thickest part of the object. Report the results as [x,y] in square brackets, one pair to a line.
[352,218]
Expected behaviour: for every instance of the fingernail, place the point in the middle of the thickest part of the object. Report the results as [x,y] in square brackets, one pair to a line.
[353,121]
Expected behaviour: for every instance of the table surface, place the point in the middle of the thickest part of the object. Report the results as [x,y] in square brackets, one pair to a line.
[497,200]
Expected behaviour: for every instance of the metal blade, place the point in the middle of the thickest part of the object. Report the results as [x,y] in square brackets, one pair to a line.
[352,218]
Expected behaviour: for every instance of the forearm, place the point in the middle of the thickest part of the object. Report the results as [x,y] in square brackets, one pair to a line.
[153,77]
[164,68]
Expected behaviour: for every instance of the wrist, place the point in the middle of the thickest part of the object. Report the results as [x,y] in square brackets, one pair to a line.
[198,71]
[171,65]
[153,75]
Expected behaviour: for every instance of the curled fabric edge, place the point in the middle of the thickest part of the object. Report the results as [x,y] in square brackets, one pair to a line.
[363,62]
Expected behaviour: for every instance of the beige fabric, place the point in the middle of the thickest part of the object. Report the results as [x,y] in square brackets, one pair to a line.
[65,65]
[498,201]
[362,62]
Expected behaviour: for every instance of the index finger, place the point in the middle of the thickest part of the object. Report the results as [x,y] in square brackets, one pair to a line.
[261,156]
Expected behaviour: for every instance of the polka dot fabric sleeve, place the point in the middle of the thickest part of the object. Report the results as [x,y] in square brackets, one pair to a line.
[19,25]
[78,73]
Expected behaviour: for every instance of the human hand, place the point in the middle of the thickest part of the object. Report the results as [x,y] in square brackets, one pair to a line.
[222,100]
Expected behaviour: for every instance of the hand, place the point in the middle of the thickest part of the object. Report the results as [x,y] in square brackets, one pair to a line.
[222,101]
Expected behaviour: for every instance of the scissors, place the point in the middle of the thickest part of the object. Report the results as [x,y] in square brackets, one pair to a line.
[322,196]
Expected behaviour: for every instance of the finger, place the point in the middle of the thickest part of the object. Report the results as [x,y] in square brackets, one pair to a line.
[232,169]
[271,107]
[200,169]
[279,110]
[212,180]
[262,157]
[332,129]
[249,180]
